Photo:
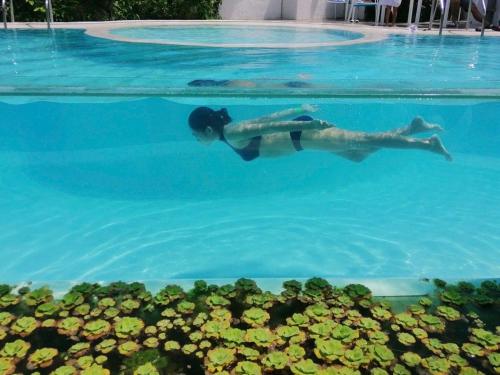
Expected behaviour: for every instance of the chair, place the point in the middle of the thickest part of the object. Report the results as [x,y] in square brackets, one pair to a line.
[337,2]
[356,4]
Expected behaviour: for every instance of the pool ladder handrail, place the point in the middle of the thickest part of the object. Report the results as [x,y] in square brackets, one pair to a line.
[4,12]
[49,15]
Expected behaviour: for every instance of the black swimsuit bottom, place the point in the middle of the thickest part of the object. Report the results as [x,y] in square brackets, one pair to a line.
[252,150]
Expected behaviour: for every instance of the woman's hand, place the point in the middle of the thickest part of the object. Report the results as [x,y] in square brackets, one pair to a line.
[320,124]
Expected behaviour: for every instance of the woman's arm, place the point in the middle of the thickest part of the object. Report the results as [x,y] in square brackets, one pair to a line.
[249,130]
[305,108]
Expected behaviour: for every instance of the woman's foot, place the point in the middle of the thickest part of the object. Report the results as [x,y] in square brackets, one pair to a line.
[438,148]
[419,125]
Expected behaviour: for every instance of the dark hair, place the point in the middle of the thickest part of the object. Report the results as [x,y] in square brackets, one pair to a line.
[202,117]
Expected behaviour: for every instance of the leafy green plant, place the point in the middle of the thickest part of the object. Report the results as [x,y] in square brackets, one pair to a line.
[247,368]
[255,317]
[219,359]
[275,361]
[328,350]
[128,348]
[305,367]
[96,329]
[128,327]
[69,326]
[41,358]
[449,313]
[15,350]
[411,359]
[262,337]
[24,326]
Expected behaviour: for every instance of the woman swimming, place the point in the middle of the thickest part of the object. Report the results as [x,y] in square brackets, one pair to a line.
[268,137]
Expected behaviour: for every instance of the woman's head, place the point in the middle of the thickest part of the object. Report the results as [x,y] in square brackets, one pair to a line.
[207,125]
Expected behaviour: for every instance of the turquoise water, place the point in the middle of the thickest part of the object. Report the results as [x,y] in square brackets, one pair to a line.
[39,61]
[105,187]
[233,35]
[121,190]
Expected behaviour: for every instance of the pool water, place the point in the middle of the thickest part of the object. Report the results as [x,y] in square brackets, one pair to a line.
[234,35]
[62,61]
[104,191]
[101,178]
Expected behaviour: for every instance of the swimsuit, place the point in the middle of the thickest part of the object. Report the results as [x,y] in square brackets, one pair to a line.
[251,151]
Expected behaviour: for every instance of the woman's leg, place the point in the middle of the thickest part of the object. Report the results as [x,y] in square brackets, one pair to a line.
[418,125]
[390,140]
[394,15]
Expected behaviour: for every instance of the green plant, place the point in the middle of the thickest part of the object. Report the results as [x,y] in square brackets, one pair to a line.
[305,367]
[344,333]
[128,327]
[41,358]
[219,358]
[169,294]
[405,320]
[106,346]
[485,338]
[318,312]
[449,313]
[96,329]
[46,310]
[129,305]
[247,368]
[79,349]
[298,320]
[357,291]
[406,339]
[233,337]
[295,352]
[15,350]
[453,296]
[38,296]
[128,348]
[248,353]
[328,350]
[322,330]
[69,326]
[383,355]
[431,323]
[7,366]
[354,358]
[185,307]
[65,370]
[71,300]
[24,326]
[214,328]
[275,361]
[255,317]
[472,350]
[411,359]
[436,365]
[262,337]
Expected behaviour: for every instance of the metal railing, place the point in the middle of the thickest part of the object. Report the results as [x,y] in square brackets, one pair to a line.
[48,13]
[4,12]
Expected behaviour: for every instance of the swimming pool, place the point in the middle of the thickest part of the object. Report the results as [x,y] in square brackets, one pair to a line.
[62,61]
[106,187]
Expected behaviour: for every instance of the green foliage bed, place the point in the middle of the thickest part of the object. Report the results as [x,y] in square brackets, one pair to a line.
[313,328]
[106,10]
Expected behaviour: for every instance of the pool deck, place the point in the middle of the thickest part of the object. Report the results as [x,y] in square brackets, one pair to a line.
[370,33]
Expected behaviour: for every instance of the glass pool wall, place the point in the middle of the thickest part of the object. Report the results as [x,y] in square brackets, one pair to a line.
[112,189]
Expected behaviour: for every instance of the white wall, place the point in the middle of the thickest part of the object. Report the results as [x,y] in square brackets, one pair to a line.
[250,9]
[304,10]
